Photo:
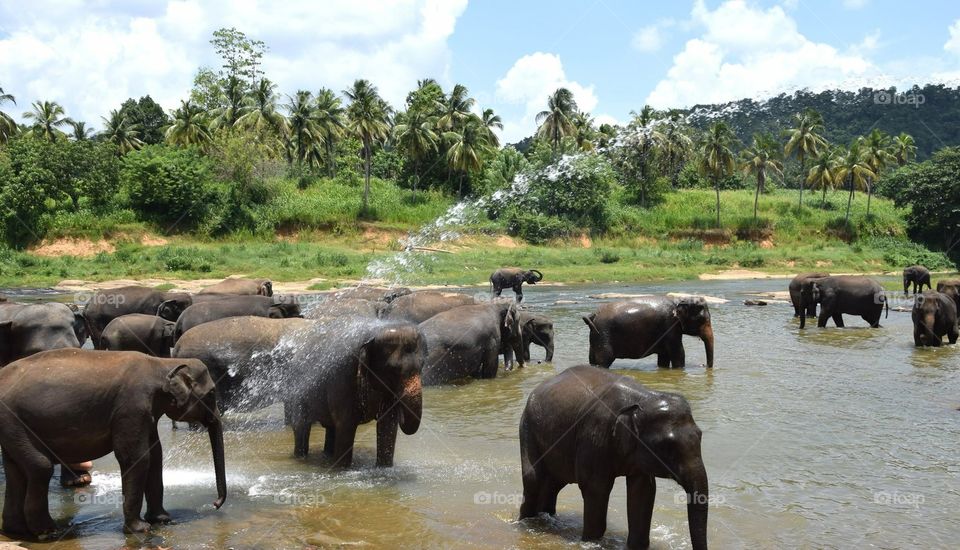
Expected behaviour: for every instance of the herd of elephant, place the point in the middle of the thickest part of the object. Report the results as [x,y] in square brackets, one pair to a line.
[359,355]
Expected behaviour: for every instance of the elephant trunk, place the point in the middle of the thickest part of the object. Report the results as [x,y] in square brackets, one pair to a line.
[694,481]
[549,347]
[537,276]
[706,334]
[803,312]
[411,405]
[215,429]
[928,322]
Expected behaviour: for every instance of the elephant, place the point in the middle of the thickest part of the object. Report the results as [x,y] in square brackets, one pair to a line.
[6,342]
[374,294]
[40,327]
[420,306]
[106,305]
[655,324]
[114,399]
[590,426]
[139,332]
[536,329]
[950,287]
[795,285]
[345,307]
[242,286]
[918,276]
[235,306]
[513,277]
[467,341]
[846,294]
[934,316]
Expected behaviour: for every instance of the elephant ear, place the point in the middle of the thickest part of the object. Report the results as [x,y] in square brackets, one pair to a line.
[624,430]
[178,385]
[266,288]
[363,375]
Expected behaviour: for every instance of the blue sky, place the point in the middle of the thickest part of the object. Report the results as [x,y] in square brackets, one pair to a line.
[615,55]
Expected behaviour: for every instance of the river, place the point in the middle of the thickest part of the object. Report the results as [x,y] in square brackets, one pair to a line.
[822,438]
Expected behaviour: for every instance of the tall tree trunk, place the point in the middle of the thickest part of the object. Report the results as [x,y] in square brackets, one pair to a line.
[416,176]
[460,192]
[366,177]
[803,163]
[823,199]
[756,196]
[716,186]
[849,200]
[869,194]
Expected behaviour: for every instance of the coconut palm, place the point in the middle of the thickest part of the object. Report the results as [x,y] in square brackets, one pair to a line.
[556,122]
[456,109]
[804,140]
[328,116]
[189,126]
[761,157]
[823,173]
[492,122]
[236,104]
[416,137]
[48,117]
[368,118]
[303,135]
[467,148]
[904,149]
[675,147]
[261,111]
[876,153]
[854,170]
[121,133]
[583,123]
[717,159]
[8,126]
[80,131]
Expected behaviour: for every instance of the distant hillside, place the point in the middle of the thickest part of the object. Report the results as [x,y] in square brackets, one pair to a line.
[930,114]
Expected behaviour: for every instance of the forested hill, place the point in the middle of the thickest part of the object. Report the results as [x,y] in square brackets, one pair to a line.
[930,114]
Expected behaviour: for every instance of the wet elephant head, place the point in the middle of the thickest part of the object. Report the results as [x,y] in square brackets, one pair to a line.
[693,315]
[173,305]
[390,364]
[285,309]
[811,292]
[41,327]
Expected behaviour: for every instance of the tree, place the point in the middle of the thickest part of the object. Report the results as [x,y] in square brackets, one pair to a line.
[328,117]
[761,157]
[8,126]
[823,174]
[804,140]
[717,159]
[368,120]
[48,117]
[854,170]
[80,131]
[121,133]
[456,108]
[492,122]
[261,115]
[876,154]
[304,135]
[149,116]
[556,122]
[583,123]
[675,147]
[467,148]
[904,149]
[235,104]
[415,136]
[189,126]
[241,56]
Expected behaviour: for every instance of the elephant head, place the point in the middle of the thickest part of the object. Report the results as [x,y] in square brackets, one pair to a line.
[42,327]
[173,305]
[693,314]
[285,309]
[191,397]
[811,292]
[390,364]
[80,327]
[169,333]
[660,437]
[540,331]
[264,287]
[532,276]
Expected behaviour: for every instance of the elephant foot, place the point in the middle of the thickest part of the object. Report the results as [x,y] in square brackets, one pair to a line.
[161,516]
[15,529]
[45,529]
[136,526]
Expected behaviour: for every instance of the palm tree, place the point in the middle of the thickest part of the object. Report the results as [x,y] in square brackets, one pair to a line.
[367,119]
[261,111]
[583,123]
[492,122]
[8,126]
[456,108]
[675,148]
[876,153]
[717,159]
[304,136]
[804,141]
[467,147]
[80,131]
[761,157]
[854,170]
[556,122]
[823,173]
[236,106]
[416,136]
[47,117]
[121,133]
[645,116]
[328,117]
[904,149]
[189,126]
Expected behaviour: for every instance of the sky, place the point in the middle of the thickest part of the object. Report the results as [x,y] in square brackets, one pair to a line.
[614,55]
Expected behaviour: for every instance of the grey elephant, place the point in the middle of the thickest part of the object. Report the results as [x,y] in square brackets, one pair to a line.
[513,277]
[536,329]
[590,426]
[235,306]
[242,286]
[467,341]
[346,307]
[651,325]
[846,294]
[372,293]
[417,307]
[40,327]
[934,316]
[148,334]
[106,305]
[918,276]
[122,396]
[950,287]
[795,285]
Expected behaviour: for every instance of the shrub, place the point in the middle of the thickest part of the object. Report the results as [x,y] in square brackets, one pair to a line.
[536,228]
[607,256]
[169,185]
[577,189]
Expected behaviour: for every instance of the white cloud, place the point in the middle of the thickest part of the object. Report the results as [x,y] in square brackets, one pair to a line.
[745,51]
[529,82]
[90,58]
[647,39]
[953,44]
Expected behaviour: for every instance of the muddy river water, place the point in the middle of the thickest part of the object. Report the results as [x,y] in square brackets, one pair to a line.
[822,438]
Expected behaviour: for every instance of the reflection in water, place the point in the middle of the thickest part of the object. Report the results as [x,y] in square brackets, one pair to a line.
[814,438]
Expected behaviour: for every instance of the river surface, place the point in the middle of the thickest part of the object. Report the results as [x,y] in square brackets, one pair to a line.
[822,438]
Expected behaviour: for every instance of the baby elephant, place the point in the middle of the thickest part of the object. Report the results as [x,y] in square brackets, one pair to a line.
[590,426]
[72,405]
[918,276]
[934,315]
[139,332]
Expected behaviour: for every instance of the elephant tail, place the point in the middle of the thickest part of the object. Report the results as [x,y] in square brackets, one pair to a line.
[886,304]
[588,319]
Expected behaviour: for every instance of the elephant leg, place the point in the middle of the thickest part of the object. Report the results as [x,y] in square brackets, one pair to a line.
[953,334]
[837,319]
[301,437]
[822,319]
[596,497]
[497,291]
[491,363]
[641,492]
[917,338]
[36,506]
[663,361]
[678,357]
[343,447]
[549,490]
[14,520]
[154,491]
[329,439]
[533,475]
[387,437]
[518,290]
[134,460]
